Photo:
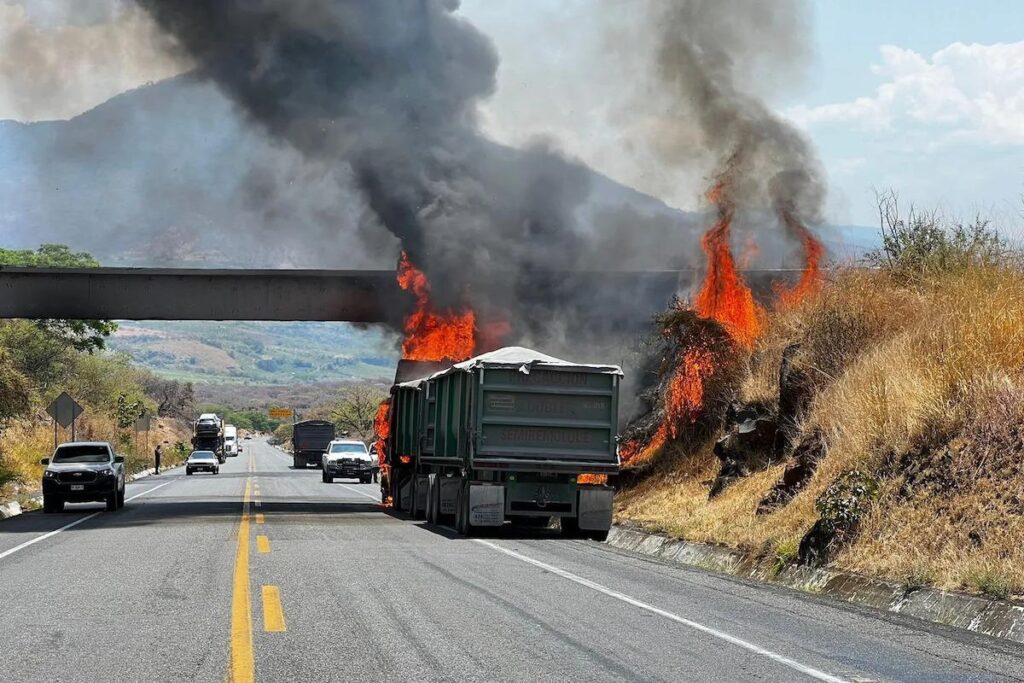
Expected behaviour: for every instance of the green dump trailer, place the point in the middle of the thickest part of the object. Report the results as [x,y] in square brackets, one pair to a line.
[504,437]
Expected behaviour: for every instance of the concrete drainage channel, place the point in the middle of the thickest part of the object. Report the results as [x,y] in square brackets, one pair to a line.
[14,508]
[969,612]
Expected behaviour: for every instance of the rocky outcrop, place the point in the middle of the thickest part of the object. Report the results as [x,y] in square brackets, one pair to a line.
[799,470]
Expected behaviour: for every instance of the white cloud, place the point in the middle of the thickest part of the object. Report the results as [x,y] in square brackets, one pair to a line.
[969,91]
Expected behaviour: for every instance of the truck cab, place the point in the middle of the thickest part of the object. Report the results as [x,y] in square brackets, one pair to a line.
[230,441]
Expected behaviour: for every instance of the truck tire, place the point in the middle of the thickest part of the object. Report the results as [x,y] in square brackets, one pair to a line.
[431,492]
[298,464]
[328,479]
[413,498]
[599,536]
[112,502]
[120,498]
[462,523]
[52,504]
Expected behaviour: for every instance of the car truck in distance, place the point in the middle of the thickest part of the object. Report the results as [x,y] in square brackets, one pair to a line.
[310,439]
[503,437]
[208,435]
[230,441]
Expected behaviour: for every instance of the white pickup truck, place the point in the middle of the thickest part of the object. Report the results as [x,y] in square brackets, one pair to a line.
[347,458]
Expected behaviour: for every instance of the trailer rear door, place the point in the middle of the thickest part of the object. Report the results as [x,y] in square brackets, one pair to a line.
[566,415]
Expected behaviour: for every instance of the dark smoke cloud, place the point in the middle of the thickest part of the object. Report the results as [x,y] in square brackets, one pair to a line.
[710,56]
[389,91]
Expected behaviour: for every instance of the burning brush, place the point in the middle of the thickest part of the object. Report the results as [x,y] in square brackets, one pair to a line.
[695,363]
[700,347]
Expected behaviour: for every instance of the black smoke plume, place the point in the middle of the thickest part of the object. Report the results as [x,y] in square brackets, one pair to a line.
[389,91]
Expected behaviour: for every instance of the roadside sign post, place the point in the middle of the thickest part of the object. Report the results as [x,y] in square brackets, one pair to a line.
[64,410]
[143,424]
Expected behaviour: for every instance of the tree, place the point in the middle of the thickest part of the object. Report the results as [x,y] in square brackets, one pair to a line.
[356,409]
[173,398]
[83,335]
[15,391]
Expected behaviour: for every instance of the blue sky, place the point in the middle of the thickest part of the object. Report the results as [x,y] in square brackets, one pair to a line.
[848,36]
[926,98]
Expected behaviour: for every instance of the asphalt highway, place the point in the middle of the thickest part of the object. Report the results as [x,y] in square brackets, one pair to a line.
[266,573]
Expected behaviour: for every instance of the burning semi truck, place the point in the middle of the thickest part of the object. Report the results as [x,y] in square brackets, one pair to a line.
[510,435]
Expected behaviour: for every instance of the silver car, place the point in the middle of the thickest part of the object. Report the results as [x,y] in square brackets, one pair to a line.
[202,461]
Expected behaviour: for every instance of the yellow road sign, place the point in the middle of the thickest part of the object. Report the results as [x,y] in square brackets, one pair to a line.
[281,412]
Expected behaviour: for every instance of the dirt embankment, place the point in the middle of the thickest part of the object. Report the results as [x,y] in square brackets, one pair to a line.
[900,405]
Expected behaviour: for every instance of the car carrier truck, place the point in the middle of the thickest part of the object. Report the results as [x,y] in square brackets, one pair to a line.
[208,435]
[503,437]
[310,439]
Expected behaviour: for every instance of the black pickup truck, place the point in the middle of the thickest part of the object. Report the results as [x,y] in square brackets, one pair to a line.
[82,472]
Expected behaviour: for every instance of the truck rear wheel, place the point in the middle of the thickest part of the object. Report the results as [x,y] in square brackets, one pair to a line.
[298,464]
[432,500]
[462,523]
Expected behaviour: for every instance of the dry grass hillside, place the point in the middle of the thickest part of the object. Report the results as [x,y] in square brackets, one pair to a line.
[917,375]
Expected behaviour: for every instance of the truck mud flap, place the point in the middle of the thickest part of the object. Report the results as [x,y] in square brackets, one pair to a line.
[405,495]
[595,509]
[486,505]
[421,494]
[449,494]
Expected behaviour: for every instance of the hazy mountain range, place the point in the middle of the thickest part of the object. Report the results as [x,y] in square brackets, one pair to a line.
[166,175]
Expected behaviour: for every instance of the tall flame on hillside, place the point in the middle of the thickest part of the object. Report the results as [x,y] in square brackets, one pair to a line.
[811,278]
[431,334]
[724,296]
[683,402]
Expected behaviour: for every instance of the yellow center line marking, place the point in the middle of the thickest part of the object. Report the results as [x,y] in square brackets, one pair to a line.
[241,663]
[263,544]
[273,615]
[259,518]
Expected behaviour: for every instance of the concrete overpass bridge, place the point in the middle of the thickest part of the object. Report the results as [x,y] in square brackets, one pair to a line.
[363,296]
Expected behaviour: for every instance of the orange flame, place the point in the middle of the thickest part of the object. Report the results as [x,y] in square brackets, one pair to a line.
[683,402]
[381,431]
[430,334]
[724,296]
[811,279]
[599,479]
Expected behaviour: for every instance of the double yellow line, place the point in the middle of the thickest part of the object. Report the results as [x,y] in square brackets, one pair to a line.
[241,665]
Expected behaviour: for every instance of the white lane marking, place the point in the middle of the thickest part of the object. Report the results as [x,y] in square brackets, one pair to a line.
[147,491]
[757,649]
[71,524]
[373,498]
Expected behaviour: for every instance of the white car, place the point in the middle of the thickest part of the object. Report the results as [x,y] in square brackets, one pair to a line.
[200,461]
[347,458]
